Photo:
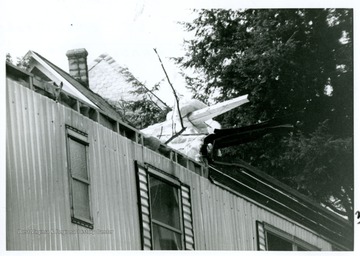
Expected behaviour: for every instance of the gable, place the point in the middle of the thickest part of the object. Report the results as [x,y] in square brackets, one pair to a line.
[47,71]
[42,68]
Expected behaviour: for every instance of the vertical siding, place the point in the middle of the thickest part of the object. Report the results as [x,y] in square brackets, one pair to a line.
[38,198]
[225,221]
[37,178]
[230,223]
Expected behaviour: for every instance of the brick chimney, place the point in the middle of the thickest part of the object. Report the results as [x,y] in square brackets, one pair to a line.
[78,65]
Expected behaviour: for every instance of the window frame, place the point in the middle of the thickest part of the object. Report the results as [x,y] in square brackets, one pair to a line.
[82,138]
[143,173]
[295,241]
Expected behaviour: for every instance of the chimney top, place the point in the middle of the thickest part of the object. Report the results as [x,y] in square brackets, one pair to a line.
[78,65]
[81,52]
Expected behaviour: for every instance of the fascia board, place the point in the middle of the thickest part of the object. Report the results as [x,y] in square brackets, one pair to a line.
[68,87]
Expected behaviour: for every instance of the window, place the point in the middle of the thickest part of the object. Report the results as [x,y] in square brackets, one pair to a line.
[276,243]
[165,211]
[79,182]
[273,239]
[165,215]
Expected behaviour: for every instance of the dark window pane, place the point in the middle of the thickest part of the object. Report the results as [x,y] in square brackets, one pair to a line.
[299,248]
[78,159]
[276,243]
[164,200]
[81,201]
[165,239]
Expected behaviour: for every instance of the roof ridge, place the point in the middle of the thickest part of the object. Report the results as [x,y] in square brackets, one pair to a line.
[108,59]
[97,61]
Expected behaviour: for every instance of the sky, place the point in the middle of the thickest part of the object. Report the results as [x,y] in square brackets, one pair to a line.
[126,30]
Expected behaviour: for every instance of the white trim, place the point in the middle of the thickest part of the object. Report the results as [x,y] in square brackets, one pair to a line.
[291,238]
[186,208]
[261,239]
[53,75]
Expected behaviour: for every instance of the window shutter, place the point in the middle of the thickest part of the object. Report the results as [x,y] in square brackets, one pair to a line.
[79,180]
[187,218]
[261,236]
[144,206]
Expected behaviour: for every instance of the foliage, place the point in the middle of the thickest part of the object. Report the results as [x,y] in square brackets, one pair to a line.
[21,62]
[319,162]
[146,108]
[9,58]
[294,64]
[140,113]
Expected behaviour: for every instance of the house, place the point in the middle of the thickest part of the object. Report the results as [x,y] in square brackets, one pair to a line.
[112,82]
[79,178]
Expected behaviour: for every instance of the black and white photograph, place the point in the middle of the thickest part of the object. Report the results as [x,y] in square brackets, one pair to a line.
[159,125]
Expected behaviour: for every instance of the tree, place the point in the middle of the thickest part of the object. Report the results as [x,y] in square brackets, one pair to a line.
[9,58]
[21,62]
[146,108]
[321,167]
[295,64]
